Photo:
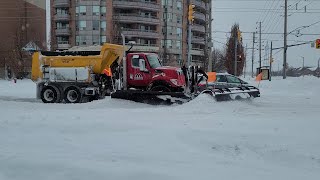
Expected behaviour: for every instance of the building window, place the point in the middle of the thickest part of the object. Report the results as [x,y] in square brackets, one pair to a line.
[166,2]
[103,39]
[179,5]
[95,25]
[62,11]
[103,25]
[179,32]
[178,44]
[61,25]
[96,10]
[103,11]
[62,40]
[77,40]
[95,40]
[169,43]
[83,10]
[82,25]
[82,40]
[169,17]
[179,21]
[77,11]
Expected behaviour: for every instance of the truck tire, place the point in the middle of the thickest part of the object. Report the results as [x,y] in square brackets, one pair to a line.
[72,95]
[50,94]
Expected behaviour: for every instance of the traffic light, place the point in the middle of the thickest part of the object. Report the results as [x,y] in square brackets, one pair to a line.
[318,44]
[190,13]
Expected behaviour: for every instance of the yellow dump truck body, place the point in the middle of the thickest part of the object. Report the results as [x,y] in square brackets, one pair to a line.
[97,63]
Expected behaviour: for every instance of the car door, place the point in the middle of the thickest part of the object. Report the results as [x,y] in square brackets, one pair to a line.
[233,81]
[221,81]
[137,77]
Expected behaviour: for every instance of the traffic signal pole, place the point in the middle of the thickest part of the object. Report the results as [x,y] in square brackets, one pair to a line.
[190,18]
[189,45]
[235,53]
[252,60]
[260,46]
[271,61]
[285,39]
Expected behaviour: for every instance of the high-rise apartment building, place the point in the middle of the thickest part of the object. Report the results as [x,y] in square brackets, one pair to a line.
[155,25]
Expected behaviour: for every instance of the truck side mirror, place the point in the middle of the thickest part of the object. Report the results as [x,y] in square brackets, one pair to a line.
[142,65]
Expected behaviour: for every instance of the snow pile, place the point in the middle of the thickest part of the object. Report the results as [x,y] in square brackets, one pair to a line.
[272,137]
[86,48]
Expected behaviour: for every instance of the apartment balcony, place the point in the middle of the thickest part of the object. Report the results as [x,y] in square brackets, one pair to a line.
[174,51]
[199,3]
[198,40]
[63,45]
[134,18]
[61,3]
[63,32]
[141,33]
[197,52]
[62,17]
[137,4]
[198,28]
[145,48]
[199,16]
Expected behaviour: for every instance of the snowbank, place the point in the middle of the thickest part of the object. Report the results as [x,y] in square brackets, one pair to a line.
[272,137]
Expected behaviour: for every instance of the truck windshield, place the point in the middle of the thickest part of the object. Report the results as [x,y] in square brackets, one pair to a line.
[153,61]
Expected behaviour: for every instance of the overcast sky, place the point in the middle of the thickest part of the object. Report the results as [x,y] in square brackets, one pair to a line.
[248,12]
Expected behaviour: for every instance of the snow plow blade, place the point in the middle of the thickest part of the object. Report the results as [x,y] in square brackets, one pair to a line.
[236,93]
[152,97]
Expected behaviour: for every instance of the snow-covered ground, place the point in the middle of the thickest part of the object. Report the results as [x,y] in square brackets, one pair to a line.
[272,137]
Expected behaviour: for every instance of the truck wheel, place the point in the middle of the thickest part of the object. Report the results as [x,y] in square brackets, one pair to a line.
[72,95]
[160,88]
[50,94]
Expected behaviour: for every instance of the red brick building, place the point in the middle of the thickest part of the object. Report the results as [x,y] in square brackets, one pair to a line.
[21,22]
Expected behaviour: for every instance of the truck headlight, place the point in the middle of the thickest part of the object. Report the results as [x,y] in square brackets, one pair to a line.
[174,81]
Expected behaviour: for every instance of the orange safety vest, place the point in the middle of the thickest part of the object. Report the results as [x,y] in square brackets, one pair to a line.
[107,72]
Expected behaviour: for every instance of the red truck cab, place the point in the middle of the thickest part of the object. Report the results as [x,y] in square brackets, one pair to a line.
[144,71]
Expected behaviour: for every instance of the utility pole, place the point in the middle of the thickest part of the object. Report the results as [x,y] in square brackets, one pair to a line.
[189,45]
[210,37]
[271,61]
[206,50]
[165,39]
[285,39]
[260,46]
[254,36]
[235,52]
[245,63]
[48,25]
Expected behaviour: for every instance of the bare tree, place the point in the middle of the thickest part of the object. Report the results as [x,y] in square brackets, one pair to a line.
[172,61]
[218,60]
[230,52]
[116,32]
[17,55]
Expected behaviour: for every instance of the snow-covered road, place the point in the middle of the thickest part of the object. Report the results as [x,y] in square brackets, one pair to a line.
[272,137]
